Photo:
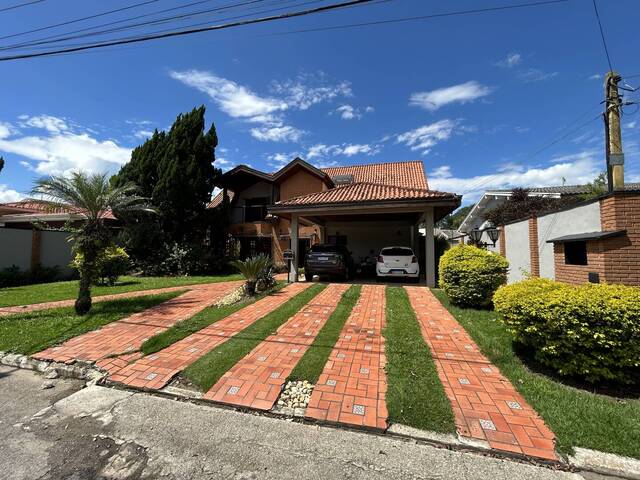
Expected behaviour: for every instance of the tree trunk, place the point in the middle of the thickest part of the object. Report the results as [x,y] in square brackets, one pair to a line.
[83,303]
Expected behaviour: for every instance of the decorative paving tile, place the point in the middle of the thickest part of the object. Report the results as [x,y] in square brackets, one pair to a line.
[151,376]
[233,390]
[260,384]
[352,386]
[181,354]
[484,402]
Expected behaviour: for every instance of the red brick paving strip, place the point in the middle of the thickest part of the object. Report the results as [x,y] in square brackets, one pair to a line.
[101,298]
[127,335]
[257,379]
[156,370]
[485,404]
[352,386]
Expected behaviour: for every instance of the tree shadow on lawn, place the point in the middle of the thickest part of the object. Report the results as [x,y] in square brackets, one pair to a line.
[526,355]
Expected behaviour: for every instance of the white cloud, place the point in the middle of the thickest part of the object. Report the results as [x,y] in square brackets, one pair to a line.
[462,93]
[348,112]
[511,60]
[279,133]
[46,122]
[235,100]
[241,102]
[535,75]
[351,150]
[323,155]
[574,169]
[57,149]
[142,134]
[425,137]
[631,125]
[595,76]
[6,129]
[307,90]
[9,195]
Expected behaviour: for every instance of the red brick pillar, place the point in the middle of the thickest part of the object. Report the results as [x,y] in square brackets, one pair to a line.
[503,240]
[533,247]
[36,238]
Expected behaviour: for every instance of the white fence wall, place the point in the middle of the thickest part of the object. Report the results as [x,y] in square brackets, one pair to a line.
[16,244]
[517,249]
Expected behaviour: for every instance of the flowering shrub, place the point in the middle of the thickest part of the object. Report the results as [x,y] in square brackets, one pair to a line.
[470,275]
[587,331]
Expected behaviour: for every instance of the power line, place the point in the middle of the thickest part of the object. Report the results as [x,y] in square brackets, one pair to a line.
[20,5]
[69,22]
[60,37]
[178,33]
[604,41]
[424,17]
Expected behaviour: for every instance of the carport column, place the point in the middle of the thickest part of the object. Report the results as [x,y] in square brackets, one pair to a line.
[429,258]
[293,272]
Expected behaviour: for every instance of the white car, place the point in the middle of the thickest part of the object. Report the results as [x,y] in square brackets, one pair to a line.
[398,262]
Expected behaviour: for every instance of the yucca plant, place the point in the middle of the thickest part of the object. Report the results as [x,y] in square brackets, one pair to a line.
[252,269]
[94,198]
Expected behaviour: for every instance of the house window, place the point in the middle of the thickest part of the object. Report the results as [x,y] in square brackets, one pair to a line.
[255,209]
[575,253]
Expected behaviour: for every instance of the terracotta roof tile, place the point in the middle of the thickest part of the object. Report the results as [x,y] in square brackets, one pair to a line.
[217,200]
[31,206]
[362,192]
[402,174]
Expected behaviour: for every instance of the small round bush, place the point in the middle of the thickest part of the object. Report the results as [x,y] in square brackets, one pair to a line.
[110,264]
[470,275]
[591,332]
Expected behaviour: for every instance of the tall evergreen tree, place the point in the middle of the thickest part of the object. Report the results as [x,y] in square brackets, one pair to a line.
[1,163]
[175,170]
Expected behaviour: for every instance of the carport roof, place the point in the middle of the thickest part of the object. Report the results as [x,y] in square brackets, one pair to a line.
[364,192]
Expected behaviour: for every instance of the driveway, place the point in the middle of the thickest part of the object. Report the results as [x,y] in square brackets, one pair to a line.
[99,432]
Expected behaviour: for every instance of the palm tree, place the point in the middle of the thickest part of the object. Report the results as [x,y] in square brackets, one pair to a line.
[252,269]
[94,198]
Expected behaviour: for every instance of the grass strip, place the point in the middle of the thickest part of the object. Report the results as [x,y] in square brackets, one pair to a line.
[52,292]
[199,321]
[29,333]
[313,361]
[207,370]
[577,417]
[415,395]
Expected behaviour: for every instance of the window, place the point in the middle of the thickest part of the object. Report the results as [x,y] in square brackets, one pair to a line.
[575,253]
[255,209]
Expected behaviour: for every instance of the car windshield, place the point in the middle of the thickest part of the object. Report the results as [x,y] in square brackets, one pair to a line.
[326,249]
[397,252]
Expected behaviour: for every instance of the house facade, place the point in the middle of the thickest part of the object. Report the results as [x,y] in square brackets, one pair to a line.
[365,207]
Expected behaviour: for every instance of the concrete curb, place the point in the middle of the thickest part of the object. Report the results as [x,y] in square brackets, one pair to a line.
[605,463]
[81,371]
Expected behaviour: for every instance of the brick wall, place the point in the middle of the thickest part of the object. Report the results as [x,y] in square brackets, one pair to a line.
[577,274]
[502,241]
[621,211]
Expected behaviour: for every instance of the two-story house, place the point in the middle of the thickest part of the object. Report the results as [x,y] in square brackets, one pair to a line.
[365,207]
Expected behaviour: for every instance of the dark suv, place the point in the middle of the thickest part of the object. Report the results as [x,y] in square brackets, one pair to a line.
[328,260]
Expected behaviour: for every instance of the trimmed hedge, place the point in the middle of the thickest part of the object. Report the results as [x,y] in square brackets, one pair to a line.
[470,275]
[588,331]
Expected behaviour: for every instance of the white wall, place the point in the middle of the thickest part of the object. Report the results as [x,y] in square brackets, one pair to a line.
[15,248]
[582,219]
[365,236]
[55,250]
[517,249]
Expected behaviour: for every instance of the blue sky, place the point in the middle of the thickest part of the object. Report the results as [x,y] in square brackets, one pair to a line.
[474,97]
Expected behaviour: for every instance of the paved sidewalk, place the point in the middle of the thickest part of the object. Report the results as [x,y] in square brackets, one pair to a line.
[353,383]
[485,404]
[155,371]
[123,337]
[257,379]
[34,307]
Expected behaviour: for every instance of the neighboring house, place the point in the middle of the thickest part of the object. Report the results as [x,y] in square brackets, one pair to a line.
[494,198]
[453,237]
[592,241]
[28,235]
[365,207]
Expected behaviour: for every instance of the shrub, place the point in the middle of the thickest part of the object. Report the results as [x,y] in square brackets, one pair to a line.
[254,269]
[589,331]
[470,275]
[14,277]
[110,264]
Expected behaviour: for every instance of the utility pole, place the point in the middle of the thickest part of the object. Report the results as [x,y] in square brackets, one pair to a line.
[613,133]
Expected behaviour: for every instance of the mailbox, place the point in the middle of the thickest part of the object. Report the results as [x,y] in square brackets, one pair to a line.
[288,255]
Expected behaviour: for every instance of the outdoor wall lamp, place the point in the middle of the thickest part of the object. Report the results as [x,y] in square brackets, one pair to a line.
[476,236]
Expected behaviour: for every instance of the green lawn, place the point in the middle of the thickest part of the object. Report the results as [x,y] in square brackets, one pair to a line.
[415,396]
[197,322]
[32,332]
[50,292]
[312,363]
[207,370]
[577,417]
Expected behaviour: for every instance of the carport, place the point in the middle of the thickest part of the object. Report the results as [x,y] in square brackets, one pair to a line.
[367,217]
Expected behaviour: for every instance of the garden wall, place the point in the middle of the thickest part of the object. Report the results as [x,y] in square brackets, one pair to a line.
[28,248]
